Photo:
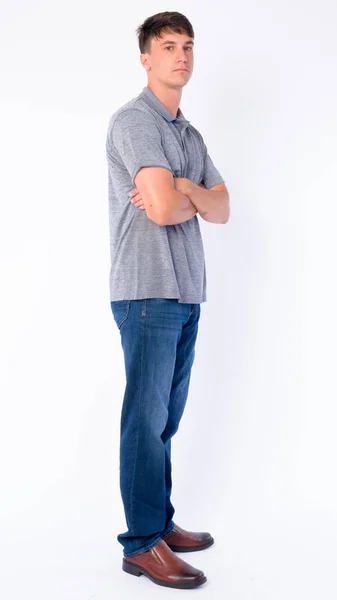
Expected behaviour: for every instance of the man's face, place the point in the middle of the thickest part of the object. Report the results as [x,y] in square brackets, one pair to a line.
[171,52]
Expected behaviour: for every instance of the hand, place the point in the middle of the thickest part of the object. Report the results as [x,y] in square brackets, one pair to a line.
[136,199]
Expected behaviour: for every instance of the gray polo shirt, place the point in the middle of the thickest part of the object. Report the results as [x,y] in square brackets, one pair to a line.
[150,260]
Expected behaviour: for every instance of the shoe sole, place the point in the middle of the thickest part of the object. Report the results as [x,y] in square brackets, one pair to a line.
[191,548]
[138,571]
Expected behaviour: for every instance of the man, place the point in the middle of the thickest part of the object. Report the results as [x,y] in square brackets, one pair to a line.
[160,177]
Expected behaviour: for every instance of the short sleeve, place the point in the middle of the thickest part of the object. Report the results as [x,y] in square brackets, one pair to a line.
[211,175]
[137,139]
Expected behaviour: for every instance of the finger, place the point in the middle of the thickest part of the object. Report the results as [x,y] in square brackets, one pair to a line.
[136,198]
[133,192]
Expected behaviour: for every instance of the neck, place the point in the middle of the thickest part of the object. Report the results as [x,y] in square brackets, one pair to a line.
[170,97]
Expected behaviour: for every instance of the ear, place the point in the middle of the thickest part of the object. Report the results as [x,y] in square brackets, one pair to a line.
[143,60]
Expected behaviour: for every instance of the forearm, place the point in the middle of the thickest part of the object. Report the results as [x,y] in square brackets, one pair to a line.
[212,205]
[182,209]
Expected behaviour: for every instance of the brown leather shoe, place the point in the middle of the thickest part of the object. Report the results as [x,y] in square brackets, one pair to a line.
[162,566]
[180,540]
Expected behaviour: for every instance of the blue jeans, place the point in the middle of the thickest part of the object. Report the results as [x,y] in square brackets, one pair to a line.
[158,336]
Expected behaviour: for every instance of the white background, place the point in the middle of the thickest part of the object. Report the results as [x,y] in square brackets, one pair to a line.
[254,461]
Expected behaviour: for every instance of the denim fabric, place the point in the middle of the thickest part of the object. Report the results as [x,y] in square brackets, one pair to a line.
[158,336]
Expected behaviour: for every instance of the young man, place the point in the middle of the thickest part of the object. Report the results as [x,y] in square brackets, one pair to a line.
[160,177]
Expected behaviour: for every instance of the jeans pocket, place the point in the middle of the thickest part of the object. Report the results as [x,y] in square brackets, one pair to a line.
[120,310]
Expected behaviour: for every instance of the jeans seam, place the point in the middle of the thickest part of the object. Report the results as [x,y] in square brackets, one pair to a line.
[137,442]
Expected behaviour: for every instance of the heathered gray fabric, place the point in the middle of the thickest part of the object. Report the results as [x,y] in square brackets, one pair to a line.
[149,260]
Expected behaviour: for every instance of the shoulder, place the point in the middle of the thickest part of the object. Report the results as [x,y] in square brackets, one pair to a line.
[132,119]
[132,110]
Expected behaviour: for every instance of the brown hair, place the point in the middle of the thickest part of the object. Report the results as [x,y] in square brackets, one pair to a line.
[156,25]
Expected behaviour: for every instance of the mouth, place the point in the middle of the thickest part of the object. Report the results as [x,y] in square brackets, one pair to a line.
[182,70]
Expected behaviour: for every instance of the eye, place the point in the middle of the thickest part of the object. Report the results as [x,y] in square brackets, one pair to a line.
[187,47]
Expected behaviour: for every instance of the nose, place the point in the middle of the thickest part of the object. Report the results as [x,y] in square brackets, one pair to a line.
[181,63]
[182,56]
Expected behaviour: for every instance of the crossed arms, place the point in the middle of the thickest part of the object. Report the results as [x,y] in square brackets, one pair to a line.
[169,201]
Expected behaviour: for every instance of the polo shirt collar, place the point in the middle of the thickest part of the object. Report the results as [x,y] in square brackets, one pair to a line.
[152,100]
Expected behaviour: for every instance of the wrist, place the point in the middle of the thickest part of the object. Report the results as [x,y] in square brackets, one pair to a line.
[191,187]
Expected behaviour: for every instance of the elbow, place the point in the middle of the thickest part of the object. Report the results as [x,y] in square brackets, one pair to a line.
[166,213]
[160,211]
[227,215]
[160,219]
[226,219]
[156,216]
[163,221]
